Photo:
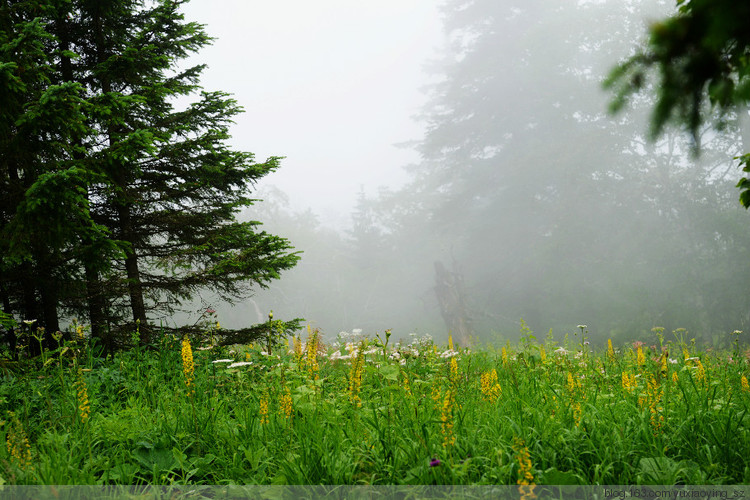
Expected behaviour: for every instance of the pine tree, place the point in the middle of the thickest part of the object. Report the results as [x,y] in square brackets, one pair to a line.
[159,181]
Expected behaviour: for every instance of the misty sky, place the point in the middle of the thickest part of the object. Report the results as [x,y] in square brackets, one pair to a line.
[331,85]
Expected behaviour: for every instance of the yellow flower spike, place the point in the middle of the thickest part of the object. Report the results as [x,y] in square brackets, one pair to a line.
[610,351]
[700,374]
[664,368]
[263,411]
[491,389]
[641,359]
[446,419]
[542,354]
[188,368]
[82,397]
[744,384]
[675,378]
[355,379]
[454,370]
[17,443]
[285,403]
[450,342]
[504,354]
[525,480]
[655,395]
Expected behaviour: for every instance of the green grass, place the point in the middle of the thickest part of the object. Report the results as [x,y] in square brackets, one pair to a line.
[569,410]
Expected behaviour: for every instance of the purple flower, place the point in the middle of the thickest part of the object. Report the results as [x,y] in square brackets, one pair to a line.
[434,462]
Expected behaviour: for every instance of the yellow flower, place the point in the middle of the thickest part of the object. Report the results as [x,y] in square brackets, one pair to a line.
[641,357]
[313,339]
[542,354]
[285,403]
[355,378]
[675,378]
[83,397]
[298,349]
[629,382]
[436,395]
[450,342]
[446,419]
[610,350]
[407,388]
[525,470]
[744,383]
[454,370]
[188,368]
[491,389]
[655,395]
[17,443]
[504,354]
[263,408]
[700,372]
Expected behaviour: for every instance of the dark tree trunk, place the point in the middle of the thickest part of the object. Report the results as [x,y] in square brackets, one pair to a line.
[95,300]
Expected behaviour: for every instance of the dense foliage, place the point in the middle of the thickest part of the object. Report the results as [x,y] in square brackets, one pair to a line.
[376,411]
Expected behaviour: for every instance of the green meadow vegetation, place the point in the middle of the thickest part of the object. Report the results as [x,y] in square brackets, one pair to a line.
[369,410]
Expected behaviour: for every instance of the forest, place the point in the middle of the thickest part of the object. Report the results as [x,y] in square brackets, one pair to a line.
[556,296]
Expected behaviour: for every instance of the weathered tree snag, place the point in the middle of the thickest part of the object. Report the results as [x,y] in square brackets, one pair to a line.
[449,289]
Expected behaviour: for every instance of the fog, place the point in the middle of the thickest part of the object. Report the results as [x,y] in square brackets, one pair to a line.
[452,168]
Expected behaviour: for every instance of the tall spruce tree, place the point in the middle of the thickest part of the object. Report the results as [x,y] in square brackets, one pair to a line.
[161,179]
[44,211]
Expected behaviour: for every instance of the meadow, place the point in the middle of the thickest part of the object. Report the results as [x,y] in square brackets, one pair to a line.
[371,411]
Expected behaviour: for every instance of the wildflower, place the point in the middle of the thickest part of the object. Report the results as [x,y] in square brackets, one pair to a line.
[312,352]
[285,403]
[434,462]
[610,351]
[561,351]
[655,395]
[188,368]
[504,354]
[700,373]
[744,384]
[240,363]
[629,382]
[217,361]
[575,388]
[17,443]
[675,378]
[491,389]
[450,342]
[297,349]
[542,354]
[436,395]
[355,380]
[641,358]
[525,480]
[446,419]
[454,371]
[83,397]
[407,388]
[263,412]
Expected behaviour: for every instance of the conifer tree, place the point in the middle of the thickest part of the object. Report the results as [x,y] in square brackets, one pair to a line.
[159,181]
